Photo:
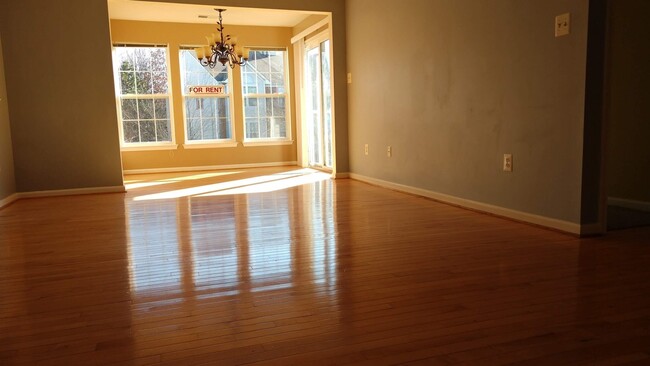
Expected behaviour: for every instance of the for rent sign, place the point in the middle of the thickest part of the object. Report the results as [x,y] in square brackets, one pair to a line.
[206,89]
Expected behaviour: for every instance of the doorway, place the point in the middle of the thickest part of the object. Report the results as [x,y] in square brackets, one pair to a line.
[318,101]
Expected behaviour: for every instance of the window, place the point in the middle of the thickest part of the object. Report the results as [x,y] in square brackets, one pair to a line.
[206,99]
[264,87]
[143,94]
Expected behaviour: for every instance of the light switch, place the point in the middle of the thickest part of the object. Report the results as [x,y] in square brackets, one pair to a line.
[562,24]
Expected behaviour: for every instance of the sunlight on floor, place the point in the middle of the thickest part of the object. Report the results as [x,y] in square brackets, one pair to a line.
[142,183]
[264,183]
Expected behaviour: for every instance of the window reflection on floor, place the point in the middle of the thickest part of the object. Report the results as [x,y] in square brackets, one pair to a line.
[154,251]
[214,243]
[323,235]
[269,240]
[220,245]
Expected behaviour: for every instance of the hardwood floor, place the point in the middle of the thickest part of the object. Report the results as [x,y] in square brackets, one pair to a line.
[286,267]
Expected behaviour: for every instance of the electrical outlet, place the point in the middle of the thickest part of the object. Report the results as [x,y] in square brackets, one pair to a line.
[389,151]
[507,162]
[562,24]
[365,149]
[349,78]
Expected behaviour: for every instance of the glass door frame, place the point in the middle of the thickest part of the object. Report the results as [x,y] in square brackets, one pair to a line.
[321,28]
[316,43]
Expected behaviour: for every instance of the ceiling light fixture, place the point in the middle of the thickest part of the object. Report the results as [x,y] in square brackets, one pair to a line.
[222,49]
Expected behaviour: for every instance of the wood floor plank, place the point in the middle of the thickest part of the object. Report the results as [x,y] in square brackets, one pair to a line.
[308,270]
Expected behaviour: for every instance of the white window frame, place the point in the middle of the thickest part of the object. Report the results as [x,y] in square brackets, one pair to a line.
[208,143]
[264,141]
[136,146]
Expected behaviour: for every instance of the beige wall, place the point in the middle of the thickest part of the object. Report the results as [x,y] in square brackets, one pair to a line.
[7,179]
[628,151]
[60,87]
[339,67]
[471,80]
[175,35]
[311,20]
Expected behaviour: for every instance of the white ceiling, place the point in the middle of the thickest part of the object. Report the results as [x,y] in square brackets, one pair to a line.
[189,13]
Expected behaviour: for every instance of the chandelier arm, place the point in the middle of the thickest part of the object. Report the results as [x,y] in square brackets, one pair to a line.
[222,52]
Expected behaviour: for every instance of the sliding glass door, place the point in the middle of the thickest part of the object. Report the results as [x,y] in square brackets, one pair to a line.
[318,103]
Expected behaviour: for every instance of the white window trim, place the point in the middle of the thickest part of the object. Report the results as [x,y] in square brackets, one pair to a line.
[210,144]
[266,142]
[213,143]
[143,146]
[288,140]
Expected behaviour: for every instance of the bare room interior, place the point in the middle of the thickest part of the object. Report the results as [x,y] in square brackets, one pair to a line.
[344,182]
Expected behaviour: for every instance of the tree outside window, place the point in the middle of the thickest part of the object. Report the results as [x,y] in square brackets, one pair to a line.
[143,94]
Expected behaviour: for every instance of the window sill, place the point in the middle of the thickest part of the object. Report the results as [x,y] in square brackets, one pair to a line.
[267,143]
[209,145]
[149,147]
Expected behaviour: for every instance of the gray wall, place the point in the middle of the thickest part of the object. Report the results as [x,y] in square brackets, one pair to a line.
[468,81]
[628,150]
[60,85]
[7,180]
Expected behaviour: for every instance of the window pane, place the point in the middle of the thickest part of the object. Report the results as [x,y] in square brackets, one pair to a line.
[265,127]
[194,129]
[251,109]
[252,128]
[278,107]
[208,107]
[279,127]
[131,131]
[142,58]
[162,129]
[125,59]
[127,83]
[277,82]
[159,60]
[222,107]
[129,109]
[268,107]
[143,82]
[223,128]
[209,129]
[159,82]
[147,131]
[162,108]
[192,108]
[145,109]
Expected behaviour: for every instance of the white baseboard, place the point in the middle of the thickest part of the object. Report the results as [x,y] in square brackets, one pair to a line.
[72,192]
[8,200]
[565,226]
[211,167]
[631,204]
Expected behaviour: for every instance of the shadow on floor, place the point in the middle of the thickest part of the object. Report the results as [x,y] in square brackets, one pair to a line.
[623,218]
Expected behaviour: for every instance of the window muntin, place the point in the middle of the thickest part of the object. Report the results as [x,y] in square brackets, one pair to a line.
[264,89]
[207,116]
[143,94]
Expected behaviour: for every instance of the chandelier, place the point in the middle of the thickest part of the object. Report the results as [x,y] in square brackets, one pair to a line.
[222,49]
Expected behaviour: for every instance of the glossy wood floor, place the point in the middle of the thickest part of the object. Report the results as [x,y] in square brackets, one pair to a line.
[286,267]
